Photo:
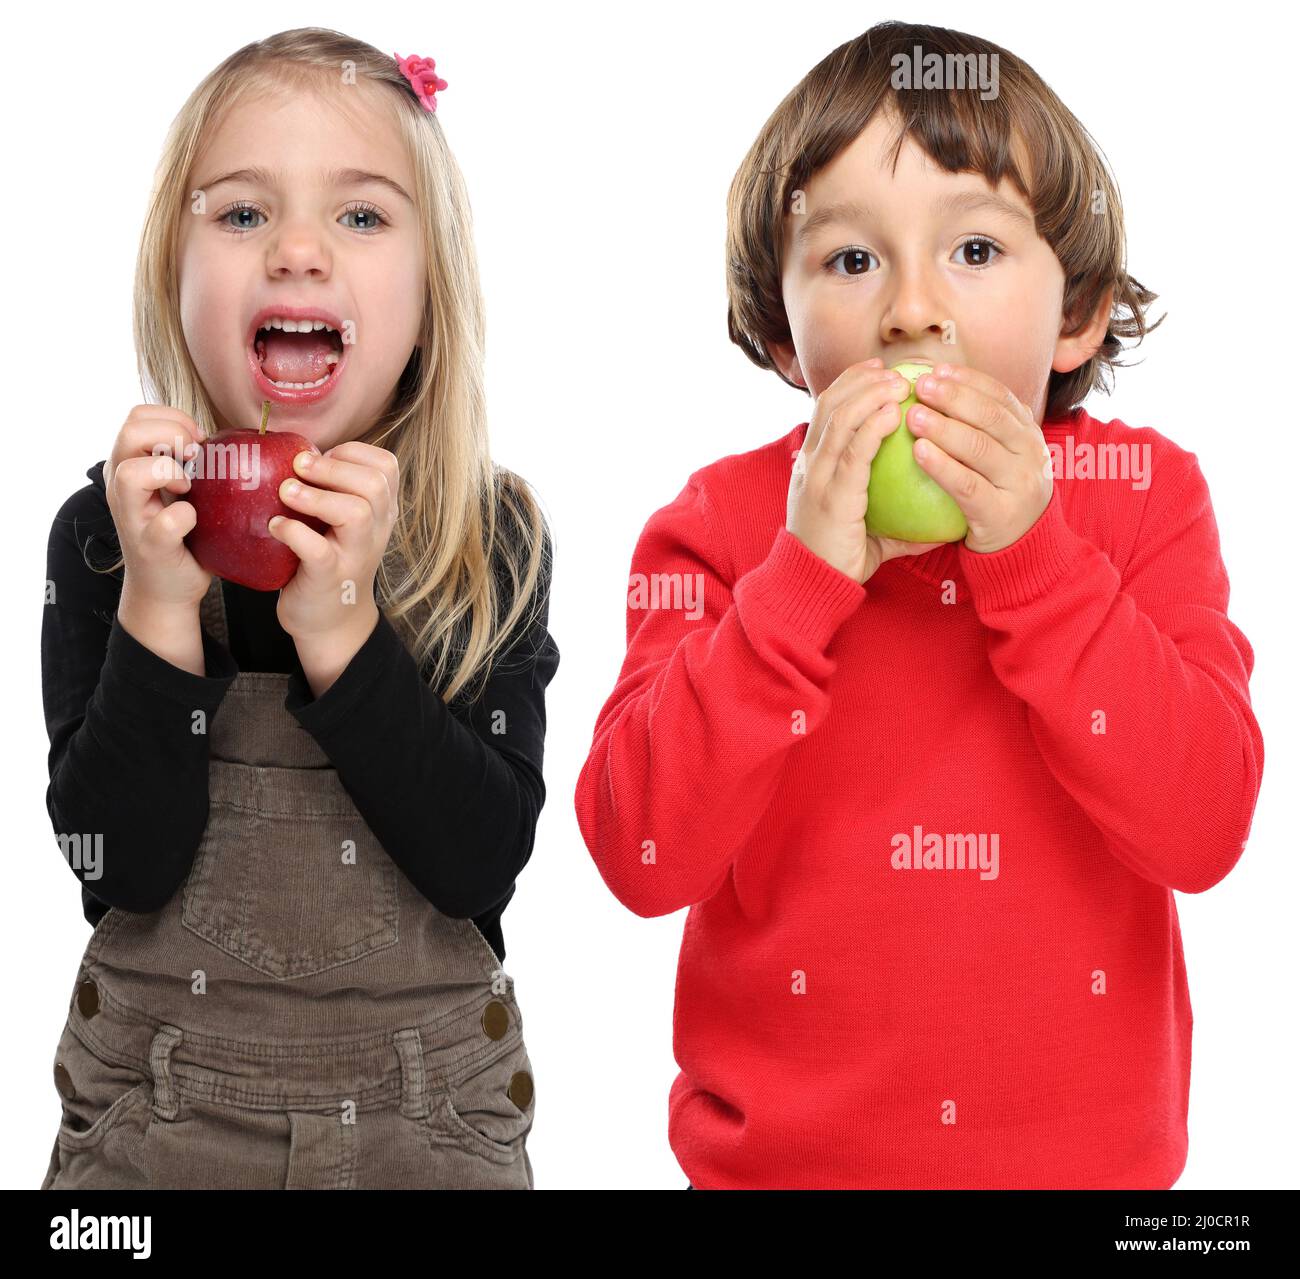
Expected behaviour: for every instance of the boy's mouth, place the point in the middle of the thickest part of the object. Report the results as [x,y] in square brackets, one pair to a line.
[297,355]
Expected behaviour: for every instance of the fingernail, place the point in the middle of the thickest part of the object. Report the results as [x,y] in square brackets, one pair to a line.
[303,461]
[291,487]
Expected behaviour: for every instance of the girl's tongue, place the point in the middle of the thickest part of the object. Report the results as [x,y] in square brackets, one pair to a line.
[296,357]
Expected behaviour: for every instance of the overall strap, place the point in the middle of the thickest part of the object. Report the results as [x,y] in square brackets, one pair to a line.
[212,612]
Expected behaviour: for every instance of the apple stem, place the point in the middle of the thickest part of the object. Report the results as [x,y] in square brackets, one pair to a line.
[266,414]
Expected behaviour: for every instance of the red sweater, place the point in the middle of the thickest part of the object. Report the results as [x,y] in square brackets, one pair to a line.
[1060,732]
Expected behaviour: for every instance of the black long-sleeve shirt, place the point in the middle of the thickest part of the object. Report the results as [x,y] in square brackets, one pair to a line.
[453,803]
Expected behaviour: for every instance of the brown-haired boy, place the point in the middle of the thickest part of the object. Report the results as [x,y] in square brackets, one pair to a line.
[927,802]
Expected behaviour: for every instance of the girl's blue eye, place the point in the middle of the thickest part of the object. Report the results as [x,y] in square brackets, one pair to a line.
[370,211]
[241,207]
[245,206]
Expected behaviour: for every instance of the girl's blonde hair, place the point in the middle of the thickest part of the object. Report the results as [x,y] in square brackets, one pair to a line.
[470,552]
[1076,204]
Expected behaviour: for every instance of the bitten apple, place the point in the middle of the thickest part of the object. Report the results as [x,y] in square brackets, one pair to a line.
[903,502]
[235,491]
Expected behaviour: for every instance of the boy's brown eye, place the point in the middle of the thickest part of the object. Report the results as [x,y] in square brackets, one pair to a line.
[982,248]
[855,260]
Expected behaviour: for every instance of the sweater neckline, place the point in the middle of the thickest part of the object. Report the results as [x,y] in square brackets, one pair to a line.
[944,563]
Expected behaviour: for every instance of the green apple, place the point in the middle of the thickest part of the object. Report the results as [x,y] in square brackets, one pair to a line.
[902,500]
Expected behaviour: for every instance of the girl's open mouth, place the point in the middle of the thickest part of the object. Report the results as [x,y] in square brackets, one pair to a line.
[296,361]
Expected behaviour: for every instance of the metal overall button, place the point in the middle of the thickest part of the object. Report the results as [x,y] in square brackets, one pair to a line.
[496,1021]
[489,1103]
[104,1114]
[521,1089]
[88,998]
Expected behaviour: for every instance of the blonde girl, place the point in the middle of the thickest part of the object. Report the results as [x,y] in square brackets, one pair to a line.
[311,806]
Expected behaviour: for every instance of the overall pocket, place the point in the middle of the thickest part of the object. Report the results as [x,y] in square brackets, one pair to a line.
[489,1103]
[105,1113]
[281,886]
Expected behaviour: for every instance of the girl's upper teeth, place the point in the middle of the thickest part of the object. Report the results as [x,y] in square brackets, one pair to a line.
[296,326]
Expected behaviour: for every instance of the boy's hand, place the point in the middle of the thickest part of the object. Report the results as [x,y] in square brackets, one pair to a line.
[353,488]
[984,449]
[827,504]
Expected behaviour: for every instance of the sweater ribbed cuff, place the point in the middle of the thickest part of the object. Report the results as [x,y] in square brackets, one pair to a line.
[326,714]
[809,596]
[140,669]
[1026,569]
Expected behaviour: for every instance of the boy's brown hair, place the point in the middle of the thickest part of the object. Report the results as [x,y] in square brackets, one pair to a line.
[1076,205]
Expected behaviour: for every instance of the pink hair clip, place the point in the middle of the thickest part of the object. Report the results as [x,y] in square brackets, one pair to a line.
[420,73]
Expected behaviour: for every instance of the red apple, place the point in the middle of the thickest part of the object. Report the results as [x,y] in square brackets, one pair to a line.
[235,490]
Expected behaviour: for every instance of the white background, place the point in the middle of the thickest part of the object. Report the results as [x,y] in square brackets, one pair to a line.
[598,146]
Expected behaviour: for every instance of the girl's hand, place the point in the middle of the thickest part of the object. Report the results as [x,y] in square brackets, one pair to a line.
[141,478]
[827,504]
[354,489]
[983,447]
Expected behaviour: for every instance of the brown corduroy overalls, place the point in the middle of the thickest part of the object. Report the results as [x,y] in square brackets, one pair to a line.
[298,1015]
